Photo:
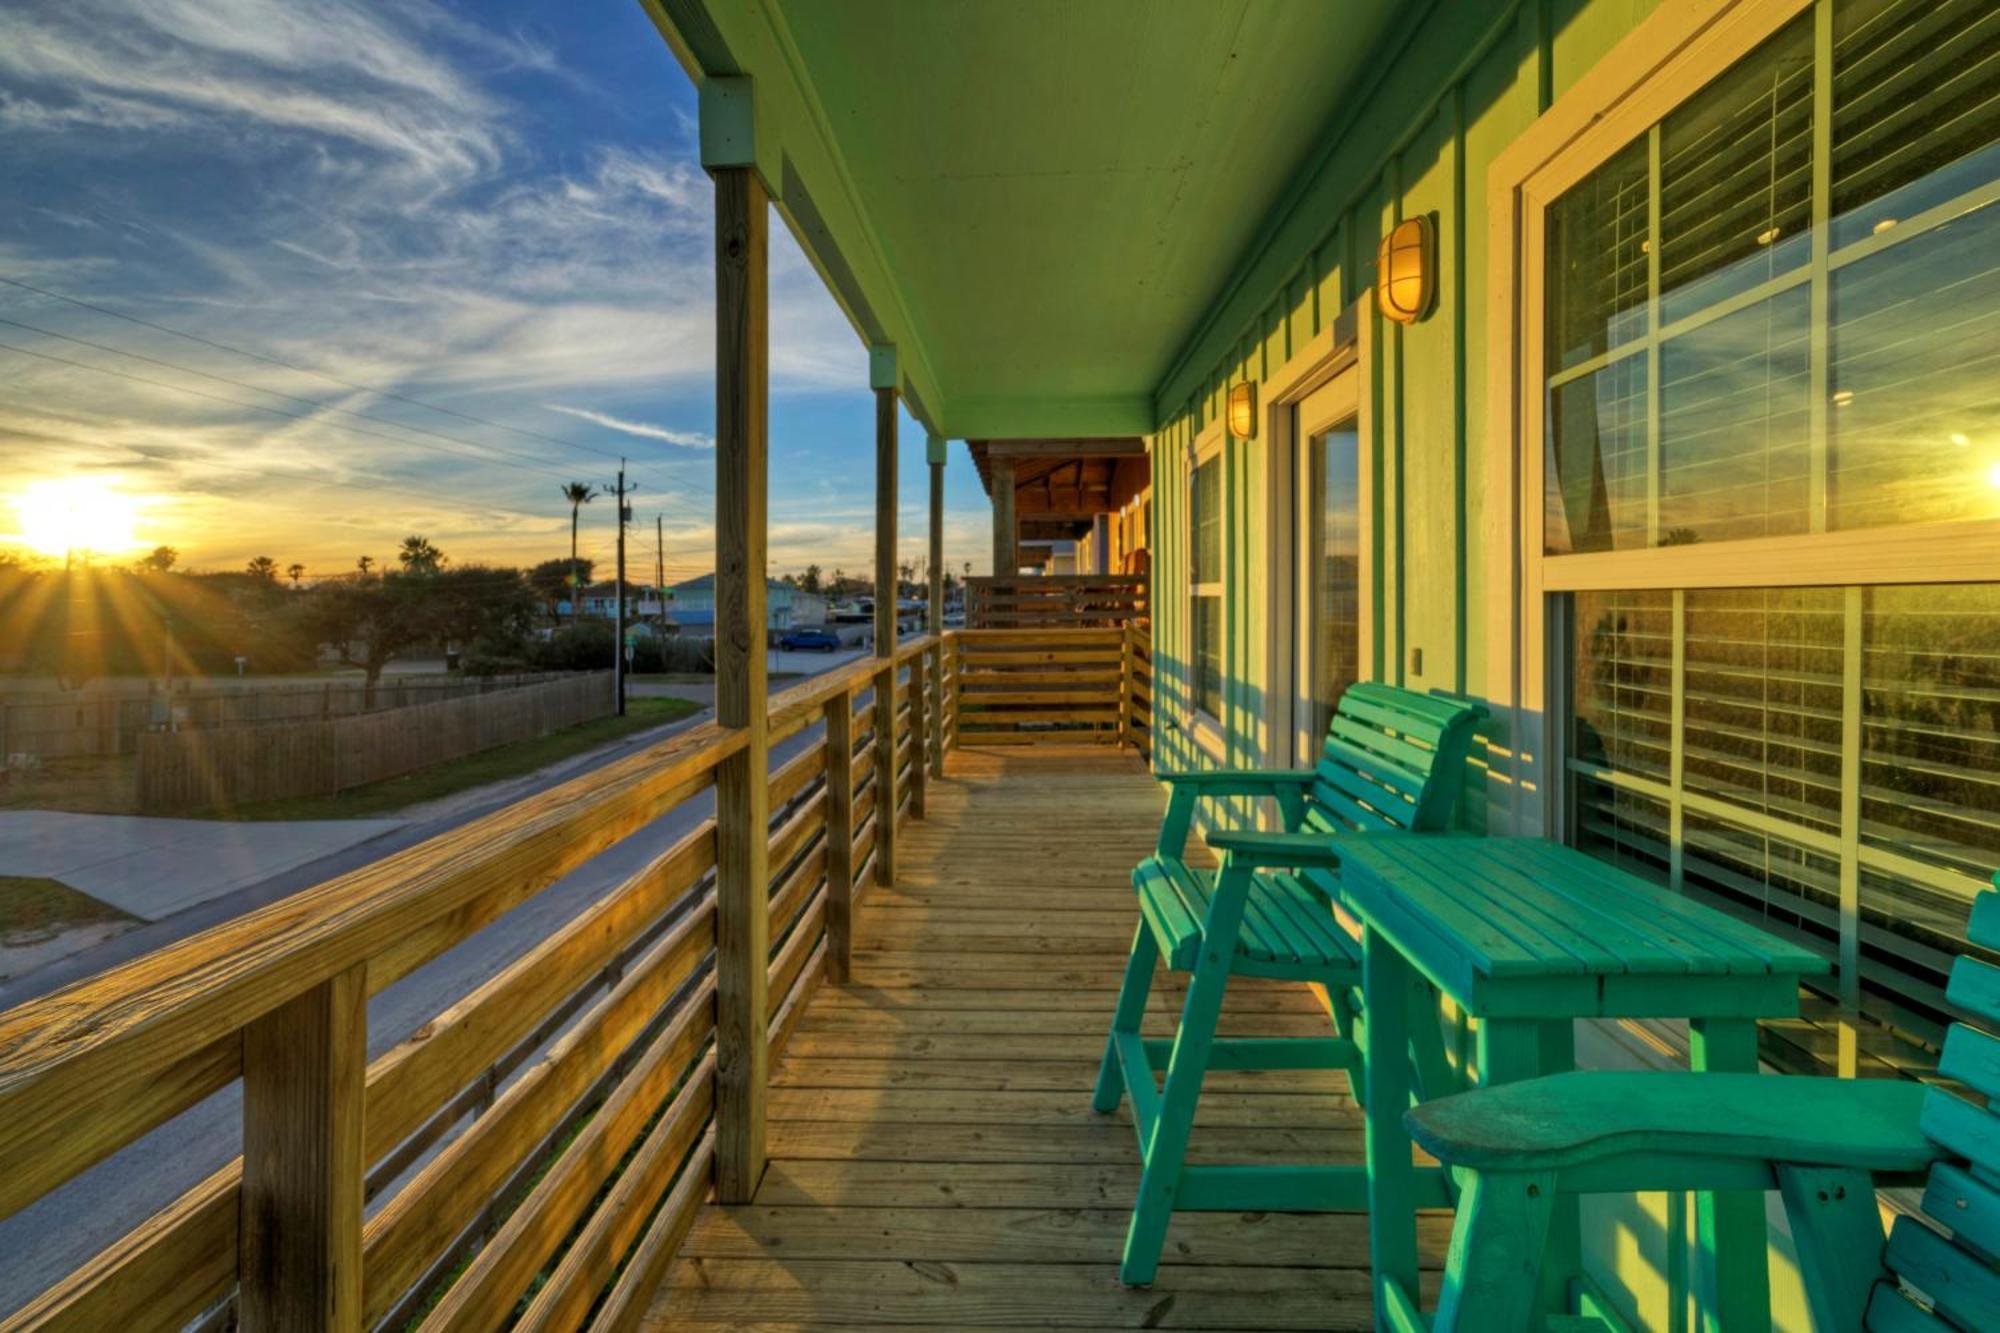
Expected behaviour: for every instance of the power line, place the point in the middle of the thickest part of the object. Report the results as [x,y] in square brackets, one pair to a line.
[314,403]
[259,407]
[385,486]
[303,370]
[317,405]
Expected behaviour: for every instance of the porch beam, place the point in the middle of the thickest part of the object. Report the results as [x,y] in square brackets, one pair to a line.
[882,376]
[742,799]
[1006,553]
[1117,447]
[935,455]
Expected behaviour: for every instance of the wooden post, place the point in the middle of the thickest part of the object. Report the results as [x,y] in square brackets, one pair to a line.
[305,1076]
[935,658]
[839,835]
[885,626]
[1125,685]
[919,736]
[742,793]
[1006,548]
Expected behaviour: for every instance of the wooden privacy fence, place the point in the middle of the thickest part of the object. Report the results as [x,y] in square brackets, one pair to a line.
[1023,686]
[563,1200]
[1057,601]
[220,767]
[81,724]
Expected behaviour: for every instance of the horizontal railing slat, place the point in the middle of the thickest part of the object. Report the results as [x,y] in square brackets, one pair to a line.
[67,1057]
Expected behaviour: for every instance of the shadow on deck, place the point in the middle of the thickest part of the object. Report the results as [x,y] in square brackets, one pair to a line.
[933,1157]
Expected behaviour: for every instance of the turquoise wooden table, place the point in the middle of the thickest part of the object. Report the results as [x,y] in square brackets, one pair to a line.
[1527,936]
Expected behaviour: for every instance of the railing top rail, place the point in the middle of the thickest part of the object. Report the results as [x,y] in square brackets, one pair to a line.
[794,707]
[93,1041]
[1058,580]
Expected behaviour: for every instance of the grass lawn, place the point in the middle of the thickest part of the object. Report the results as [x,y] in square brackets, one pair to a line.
[696,677]
[37,908]
[95,785]
[474,770]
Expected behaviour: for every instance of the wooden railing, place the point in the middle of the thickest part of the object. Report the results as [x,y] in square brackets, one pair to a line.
[568,1193]
[1026,686]
[1057,601]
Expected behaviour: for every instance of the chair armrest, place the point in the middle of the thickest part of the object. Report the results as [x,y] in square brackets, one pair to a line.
[1279,851]
[1240,781]
[1563,1121]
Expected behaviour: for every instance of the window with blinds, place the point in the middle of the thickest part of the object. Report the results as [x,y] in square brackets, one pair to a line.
[1205,585]
[1762,325]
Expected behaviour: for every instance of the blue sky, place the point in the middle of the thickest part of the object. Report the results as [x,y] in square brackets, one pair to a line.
[491,208]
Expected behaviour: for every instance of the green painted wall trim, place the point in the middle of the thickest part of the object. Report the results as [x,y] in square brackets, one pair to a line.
[1373,127]
[882,373]
[735,134]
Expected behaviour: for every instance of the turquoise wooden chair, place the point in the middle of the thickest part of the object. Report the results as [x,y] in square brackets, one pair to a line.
[1820,1142]
[1393,764]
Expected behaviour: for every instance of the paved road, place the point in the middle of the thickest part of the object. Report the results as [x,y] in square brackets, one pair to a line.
[58,1232]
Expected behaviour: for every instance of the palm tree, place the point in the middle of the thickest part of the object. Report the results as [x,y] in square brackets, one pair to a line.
[263,567]
[364,563]
[295,571]
[578,493]
[418,556]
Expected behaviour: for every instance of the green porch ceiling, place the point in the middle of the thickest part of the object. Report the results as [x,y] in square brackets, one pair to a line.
[1037,202]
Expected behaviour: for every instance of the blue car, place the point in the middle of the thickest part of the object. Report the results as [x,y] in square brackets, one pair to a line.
[803,639]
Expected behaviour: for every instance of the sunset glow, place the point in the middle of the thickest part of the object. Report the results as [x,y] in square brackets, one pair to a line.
[78,514]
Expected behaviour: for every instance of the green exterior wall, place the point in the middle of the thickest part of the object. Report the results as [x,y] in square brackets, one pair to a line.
[1419,144]
[1423,147]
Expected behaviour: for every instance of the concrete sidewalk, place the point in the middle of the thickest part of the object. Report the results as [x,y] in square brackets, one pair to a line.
[153,868]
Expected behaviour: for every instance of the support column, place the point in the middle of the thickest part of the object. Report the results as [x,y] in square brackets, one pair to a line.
[934,453]
[882,376]
[305,1075]
[839,836]
[742,793]
[1006,544]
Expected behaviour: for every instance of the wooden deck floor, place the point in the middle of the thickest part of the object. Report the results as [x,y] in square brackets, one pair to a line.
[934,1160]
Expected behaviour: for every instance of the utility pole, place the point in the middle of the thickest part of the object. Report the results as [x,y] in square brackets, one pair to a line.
[659,573]
[618,600]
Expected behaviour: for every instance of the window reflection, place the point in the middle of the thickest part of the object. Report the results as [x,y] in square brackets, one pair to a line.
[1734,450]
[1336,566]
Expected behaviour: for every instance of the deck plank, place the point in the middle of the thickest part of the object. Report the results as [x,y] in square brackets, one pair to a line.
[934,1161]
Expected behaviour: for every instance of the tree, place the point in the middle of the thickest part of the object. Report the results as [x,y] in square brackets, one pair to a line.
[295,571]
[264,568]
[364,563]
[579,494]
[418,556]
[810,580]
[158,560]
[550,579]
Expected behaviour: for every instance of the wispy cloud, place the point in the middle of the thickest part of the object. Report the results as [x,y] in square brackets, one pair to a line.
[686,439]
[428,198]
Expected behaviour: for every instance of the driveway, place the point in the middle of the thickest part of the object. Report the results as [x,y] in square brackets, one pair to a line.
[153,868]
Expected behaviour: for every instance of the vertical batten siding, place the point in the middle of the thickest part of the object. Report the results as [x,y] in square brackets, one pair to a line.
[1415,144]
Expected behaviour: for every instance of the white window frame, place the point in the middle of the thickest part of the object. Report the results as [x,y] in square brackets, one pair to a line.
[1660,64]
[1206,728]
[1663,62]
[1320,385]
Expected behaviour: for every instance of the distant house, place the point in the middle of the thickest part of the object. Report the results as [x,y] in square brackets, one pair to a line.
[642,603]
[785,607]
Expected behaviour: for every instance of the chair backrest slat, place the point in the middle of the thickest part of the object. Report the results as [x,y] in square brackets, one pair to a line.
[1954,1274]
[1393,760]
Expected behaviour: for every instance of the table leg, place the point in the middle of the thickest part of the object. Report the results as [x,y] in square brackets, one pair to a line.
[1392,1206]
[1511,1049]
[1734,1265]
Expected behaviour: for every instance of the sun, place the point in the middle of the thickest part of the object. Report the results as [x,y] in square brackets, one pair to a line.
[78,514]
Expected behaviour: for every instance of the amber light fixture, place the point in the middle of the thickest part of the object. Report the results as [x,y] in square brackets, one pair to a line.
[1243,410]
[1406,271]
